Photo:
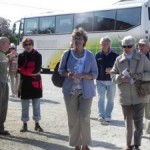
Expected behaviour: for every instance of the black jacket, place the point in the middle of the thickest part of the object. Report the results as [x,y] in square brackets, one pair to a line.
[30,63]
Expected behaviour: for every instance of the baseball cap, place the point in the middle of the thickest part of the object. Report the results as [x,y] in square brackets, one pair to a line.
[144,41]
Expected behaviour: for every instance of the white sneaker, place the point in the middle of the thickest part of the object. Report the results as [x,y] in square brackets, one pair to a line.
[13,95]
[101,119]
[107,119]
[105,123]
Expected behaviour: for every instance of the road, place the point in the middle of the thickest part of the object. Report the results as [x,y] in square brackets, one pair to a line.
[54,123]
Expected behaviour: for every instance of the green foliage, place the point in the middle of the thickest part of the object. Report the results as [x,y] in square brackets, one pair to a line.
[5,30]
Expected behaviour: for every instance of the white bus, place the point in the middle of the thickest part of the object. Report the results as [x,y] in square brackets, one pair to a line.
[51,32]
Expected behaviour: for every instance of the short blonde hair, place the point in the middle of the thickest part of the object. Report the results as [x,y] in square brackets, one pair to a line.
[80,32]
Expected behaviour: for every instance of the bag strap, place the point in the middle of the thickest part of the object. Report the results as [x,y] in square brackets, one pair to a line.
[67,59]
[136,67]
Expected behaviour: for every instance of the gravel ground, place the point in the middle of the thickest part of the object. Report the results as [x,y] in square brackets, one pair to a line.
[54,123]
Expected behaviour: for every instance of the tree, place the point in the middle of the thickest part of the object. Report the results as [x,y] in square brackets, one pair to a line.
[6,31]
[5,27]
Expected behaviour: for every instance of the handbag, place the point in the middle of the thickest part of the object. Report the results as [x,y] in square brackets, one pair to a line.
[58,79]
[147,111]
[142,87]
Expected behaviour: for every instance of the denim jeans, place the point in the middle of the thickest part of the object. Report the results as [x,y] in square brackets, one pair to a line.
[25,109]
[104,90]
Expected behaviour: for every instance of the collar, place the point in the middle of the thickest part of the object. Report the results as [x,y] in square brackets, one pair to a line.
[135,56]
[107,53]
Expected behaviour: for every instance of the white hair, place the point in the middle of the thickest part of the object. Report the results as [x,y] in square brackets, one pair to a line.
[105,39]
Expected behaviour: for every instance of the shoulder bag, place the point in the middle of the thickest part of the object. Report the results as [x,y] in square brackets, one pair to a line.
[143,87]
[58,79]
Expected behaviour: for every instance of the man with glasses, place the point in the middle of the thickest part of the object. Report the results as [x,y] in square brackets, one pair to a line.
[4,91]
[144,48]
[131,66]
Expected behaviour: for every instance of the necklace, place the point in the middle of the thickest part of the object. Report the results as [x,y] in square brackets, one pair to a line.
[79,54]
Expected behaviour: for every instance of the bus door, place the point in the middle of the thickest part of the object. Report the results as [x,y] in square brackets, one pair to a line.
[146,19]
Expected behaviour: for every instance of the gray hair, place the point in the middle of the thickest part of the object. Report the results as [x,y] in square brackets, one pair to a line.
[144,41]
[3,40]
[105,39]
[128,40]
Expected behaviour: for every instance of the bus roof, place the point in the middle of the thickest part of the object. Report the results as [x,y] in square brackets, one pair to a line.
[119,4]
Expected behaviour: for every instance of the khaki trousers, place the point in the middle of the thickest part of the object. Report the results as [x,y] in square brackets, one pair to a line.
[133,116]
[78,111]
[14,81]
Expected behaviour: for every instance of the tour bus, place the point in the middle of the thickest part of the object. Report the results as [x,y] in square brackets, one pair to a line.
[51,32]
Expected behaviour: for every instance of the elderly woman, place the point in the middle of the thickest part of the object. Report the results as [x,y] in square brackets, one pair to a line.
[29,67]
[129,67]
[79,89]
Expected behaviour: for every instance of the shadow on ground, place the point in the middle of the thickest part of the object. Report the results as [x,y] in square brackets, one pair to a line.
[14,99]
[105,145]
[118,123]
[44,145]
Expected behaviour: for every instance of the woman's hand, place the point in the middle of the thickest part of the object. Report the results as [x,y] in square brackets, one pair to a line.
[134,76]
[125,79]
[80,76]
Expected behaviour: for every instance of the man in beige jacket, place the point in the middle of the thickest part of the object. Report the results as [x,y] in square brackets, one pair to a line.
[125,73]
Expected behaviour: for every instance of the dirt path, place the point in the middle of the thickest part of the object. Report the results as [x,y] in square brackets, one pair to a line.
[54,123]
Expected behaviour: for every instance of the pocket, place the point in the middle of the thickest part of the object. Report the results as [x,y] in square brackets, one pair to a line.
[37,84]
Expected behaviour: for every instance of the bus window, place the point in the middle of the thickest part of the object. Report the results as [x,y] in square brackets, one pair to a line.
[47,25]
[64,23]
[128,18]
[31,26]
[104,20]
[84,20]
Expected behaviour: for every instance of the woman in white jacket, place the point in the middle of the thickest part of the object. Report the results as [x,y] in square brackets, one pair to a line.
[129,67]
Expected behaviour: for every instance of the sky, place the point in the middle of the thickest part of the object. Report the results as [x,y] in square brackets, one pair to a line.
[16,9]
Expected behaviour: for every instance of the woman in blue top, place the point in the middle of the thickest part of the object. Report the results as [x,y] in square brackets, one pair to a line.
[79,89]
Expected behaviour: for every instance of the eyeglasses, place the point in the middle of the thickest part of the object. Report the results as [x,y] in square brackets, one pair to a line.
[142,45]
[12,48]
[27,44]
[129,46]
[78,38]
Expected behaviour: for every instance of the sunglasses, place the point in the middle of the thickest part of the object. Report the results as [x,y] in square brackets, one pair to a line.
[27,44]
[129,46]
[12,48]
